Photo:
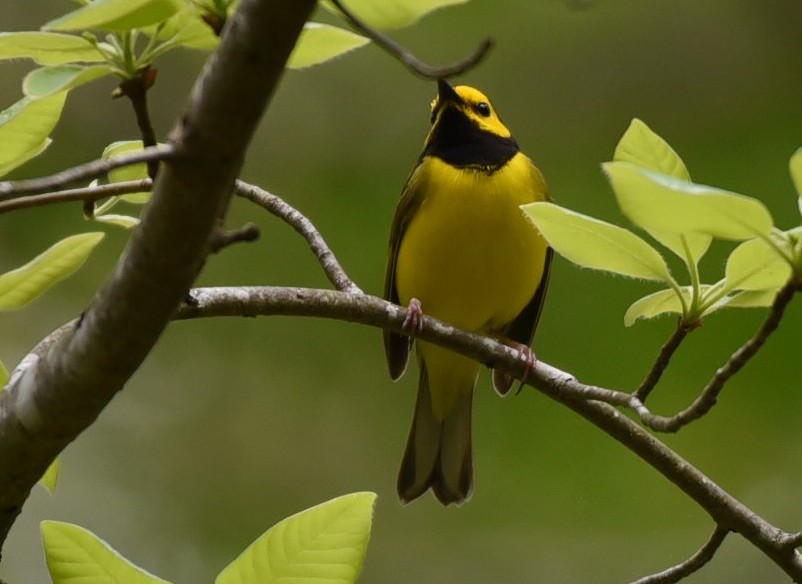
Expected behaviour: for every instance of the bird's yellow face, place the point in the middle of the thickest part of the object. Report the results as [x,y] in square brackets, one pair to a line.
[473,104]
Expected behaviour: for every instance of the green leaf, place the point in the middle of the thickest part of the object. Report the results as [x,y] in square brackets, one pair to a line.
[49,80]
[126,173]
[25,156]
[659,202]
[124,221]
[750,299]
[387,14]
[25,127]
[642,147]
[187,28]
[116,15]
[47,48]
[321,42]
[25,284]
[50,479]
[325,544]
[755,265]
[595,244]
[663,302]
[795,165]
[3,376]
[75,555]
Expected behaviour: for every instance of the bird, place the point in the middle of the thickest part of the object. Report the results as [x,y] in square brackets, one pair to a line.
[461,250]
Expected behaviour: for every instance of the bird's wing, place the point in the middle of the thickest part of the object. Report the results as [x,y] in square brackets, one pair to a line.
[396,346]
[522,328]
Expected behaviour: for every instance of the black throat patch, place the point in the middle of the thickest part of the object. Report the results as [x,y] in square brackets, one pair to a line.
[457,141]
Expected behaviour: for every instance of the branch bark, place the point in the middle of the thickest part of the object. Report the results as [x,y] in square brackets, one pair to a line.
[725,510]
[54,398]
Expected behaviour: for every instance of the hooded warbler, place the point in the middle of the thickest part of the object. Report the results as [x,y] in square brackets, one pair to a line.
[461,250]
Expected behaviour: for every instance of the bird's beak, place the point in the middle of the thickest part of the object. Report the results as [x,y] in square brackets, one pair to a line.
[446,93]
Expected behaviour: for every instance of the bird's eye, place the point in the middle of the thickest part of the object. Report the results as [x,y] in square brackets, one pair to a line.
[483,109]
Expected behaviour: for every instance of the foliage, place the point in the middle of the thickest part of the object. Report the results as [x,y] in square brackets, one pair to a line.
[654,190]
[325,544]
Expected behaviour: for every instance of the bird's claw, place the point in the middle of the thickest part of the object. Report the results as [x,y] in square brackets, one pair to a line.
[413,321]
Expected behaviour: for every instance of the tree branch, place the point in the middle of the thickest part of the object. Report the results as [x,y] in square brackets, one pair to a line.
[81,194]
[707,399]
[407,58]
[305,228]
[136,89]
[662,361]
[87,171]
[560,386]
[693,564]
[59,394]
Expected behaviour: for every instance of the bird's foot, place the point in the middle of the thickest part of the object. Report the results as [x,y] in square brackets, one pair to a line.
[413,321]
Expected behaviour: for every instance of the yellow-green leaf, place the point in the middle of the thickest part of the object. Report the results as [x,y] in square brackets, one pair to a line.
[25,127]
[663,302]
[3,376]
[325,544]
[642,147]
[595,244]
[75,554]
[187,28]
[321,42]
[124,221]
[49,80]
[116,15]
[126,173]
[795,165]
[47,48]
[750,299]
[50,479]
[660,202]
[386,14]
[25,284]
[755,265]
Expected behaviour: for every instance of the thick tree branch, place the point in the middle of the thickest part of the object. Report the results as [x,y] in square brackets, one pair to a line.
[407,58]
[693,564]
[306,229]
[86,171]
[83,194]
[58,395]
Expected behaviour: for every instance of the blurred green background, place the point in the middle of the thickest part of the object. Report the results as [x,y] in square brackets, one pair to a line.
[233,424]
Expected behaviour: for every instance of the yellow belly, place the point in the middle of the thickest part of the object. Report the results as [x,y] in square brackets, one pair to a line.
[471,258]
[469,254]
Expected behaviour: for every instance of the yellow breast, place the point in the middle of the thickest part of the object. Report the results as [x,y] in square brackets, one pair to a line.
[469,254]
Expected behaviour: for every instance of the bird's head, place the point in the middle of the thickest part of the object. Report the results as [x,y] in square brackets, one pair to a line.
[469,103]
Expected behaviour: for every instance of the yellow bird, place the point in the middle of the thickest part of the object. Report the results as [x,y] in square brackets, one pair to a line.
[461,250]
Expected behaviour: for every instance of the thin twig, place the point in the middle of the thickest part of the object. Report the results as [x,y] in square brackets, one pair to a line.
[245,234]
[662,361]
[407,58]
[693,564]
[281,209]
[136,89]
[82,194]
[707,399]
[86,171]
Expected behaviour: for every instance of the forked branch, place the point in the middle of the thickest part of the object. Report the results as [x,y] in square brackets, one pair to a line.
[407,58]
